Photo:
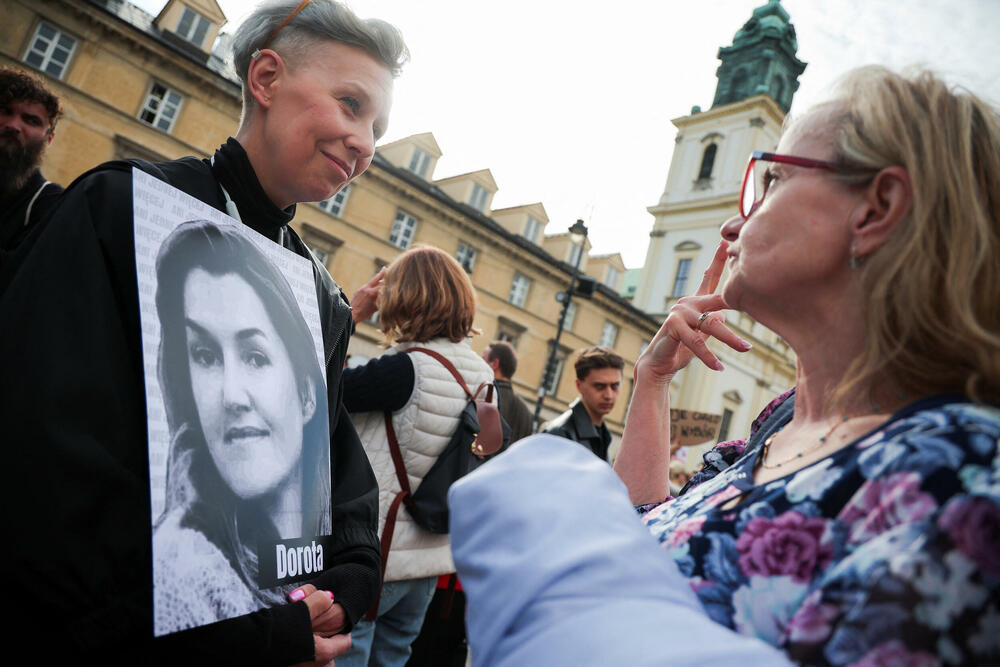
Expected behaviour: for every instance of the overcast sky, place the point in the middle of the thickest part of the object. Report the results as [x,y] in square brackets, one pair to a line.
[569,103]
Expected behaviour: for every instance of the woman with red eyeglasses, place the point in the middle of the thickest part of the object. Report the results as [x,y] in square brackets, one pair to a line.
[859,520]
[863,510]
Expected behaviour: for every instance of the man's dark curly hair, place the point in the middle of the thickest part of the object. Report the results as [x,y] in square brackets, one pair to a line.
[17,85]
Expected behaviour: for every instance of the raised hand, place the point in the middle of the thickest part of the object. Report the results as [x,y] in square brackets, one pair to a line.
[691,321]
[364,303]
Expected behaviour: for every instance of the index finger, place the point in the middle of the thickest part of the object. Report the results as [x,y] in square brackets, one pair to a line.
[378,276]
[714,271]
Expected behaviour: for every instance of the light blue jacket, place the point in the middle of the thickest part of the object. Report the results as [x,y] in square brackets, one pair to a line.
[559,570]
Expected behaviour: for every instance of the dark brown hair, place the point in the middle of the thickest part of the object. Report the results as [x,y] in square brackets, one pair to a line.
[503,352]
[16,85]
[427,295]
[597,357]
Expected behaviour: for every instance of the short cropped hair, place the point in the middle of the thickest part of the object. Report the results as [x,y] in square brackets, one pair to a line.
[427,294]
[597,357]
[318,21]
[501,351]
[17,85]
[930,292]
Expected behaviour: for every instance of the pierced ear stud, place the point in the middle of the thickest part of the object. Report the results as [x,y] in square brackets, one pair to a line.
[255,54]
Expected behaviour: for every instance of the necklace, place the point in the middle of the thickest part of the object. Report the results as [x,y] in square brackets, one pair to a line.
[762,461]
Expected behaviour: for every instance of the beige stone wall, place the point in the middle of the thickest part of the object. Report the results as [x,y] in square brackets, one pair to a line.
[105,85]
[103,90]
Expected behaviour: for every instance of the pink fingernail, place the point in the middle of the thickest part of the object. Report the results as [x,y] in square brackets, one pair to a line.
[330,593]
[296,595]
[718,366]
[745,345]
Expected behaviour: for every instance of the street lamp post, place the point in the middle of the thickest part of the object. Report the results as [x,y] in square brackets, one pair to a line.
[578,236]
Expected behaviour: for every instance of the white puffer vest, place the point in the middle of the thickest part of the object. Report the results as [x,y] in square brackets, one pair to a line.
[423,427]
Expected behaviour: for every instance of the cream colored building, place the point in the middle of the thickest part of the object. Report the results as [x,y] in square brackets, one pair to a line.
[757,78]
[137,85]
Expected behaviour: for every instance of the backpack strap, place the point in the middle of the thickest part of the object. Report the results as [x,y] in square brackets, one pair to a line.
[404,496]
[447,364]
[483,446]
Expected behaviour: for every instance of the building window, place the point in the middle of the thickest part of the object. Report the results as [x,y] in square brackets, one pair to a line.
[557,371]
[531,229]
[681,279]
[727,417]
[193,27]
[570,316]
[509,331]
[574,254]
[611,277]
[466,256]
[738,86]
[519,290]
[50,50]
[420,162]
[707,162]
[507,337]
[335,204]
[403,228]
[478,198]
[161,107]
[609,334]
[322,255]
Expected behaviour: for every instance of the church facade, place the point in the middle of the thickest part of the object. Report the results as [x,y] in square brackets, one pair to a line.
[757,78]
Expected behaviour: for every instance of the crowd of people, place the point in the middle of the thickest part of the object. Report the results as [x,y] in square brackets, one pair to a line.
[857,523]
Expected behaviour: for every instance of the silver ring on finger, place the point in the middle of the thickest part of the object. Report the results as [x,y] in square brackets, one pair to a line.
[701,319]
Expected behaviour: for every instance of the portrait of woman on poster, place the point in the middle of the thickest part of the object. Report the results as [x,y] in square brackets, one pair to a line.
[245,400]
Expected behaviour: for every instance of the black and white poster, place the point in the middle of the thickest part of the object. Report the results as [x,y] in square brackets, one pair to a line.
[236,407]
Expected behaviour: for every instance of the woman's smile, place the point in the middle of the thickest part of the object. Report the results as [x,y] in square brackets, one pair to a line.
[242,434]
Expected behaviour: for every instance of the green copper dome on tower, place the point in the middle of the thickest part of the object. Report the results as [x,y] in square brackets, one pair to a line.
[761,59]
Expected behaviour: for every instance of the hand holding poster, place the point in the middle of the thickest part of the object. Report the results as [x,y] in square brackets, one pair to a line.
[236,407]
[692,428]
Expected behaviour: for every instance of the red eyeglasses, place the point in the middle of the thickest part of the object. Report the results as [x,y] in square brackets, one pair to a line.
[757,178]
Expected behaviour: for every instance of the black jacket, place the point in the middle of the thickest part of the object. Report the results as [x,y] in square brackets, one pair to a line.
[514,411]
[15,218]
[575,424]
[74,428]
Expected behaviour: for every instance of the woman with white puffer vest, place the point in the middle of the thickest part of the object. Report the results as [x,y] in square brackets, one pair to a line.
[426,301]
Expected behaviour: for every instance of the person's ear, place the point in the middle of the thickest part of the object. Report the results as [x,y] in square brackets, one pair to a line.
[52,135]
[264,76]
[307,395]
[887,200]
[579,386]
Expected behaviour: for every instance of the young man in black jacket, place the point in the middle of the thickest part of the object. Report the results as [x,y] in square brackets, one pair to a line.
[598,379]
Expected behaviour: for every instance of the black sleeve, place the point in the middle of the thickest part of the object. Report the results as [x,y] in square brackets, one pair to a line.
[384,383]
[355,576]
[76,483]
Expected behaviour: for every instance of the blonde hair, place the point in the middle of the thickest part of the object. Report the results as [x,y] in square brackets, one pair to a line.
[932,291]
[427,294]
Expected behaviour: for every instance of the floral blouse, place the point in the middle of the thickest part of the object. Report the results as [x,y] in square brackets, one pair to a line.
[887,552]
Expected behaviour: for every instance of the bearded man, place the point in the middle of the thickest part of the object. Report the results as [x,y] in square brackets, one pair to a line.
[28,114]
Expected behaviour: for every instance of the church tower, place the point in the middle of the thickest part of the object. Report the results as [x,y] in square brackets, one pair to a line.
[761,60]
[757,78]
